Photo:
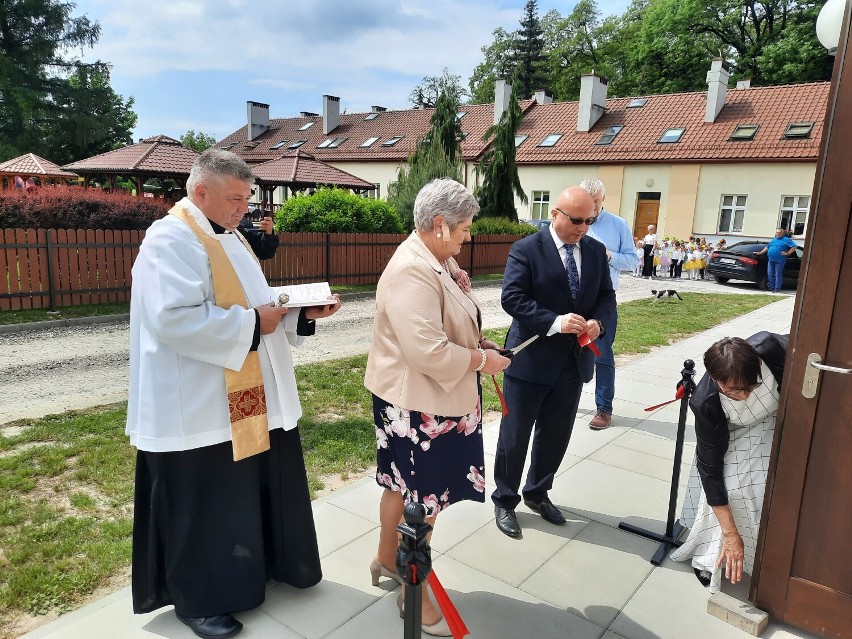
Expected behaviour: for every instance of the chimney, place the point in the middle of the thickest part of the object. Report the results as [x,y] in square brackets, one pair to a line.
[378,109]
[308,114]
[543,97]
[502,95]
[258,119]
[745,83]
[592,105]
[717,88]
[330,113]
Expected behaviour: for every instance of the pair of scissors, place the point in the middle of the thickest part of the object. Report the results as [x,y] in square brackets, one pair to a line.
[511,352]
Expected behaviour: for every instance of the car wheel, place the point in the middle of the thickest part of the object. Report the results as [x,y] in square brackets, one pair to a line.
[721,280]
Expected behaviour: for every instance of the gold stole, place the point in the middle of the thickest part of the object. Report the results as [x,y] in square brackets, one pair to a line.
[246,396]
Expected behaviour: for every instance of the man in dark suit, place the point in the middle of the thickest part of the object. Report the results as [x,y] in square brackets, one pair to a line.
[557,286]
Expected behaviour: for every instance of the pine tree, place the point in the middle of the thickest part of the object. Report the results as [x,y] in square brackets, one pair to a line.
[529,57]
[446,127]
[499,172]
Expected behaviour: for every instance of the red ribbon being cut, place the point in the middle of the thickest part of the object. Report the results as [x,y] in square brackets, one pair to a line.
[584,341]
[678,395]
[454,620]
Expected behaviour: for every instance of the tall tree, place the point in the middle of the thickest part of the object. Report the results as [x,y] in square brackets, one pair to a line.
[426,93]
[497,63]
[528,54]
[446,127]
[500,181]
[90,118]
[200,141]
[37,41]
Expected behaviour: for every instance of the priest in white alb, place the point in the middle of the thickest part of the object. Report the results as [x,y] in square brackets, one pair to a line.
[222,502]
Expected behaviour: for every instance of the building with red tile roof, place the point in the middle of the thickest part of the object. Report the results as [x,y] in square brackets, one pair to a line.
[728,161]
[31,165]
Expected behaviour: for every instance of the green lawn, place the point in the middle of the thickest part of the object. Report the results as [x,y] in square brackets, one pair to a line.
[66,481]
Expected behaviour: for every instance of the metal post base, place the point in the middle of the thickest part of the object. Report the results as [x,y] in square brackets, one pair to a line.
[666,543]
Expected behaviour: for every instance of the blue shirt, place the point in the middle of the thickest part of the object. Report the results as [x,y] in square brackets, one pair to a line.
[778,244]
[613,232]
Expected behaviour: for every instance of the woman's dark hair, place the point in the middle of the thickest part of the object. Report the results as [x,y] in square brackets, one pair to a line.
[732,360]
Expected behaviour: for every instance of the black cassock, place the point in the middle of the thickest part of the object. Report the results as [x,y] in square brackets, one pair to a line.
[209,532]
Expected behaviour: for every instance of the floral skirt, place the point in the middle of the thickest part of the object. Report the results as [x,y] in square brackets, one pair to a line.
[432,459]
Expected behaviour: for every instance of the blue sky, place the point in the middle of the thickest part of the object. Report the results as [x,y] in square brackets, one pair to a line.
[192,64]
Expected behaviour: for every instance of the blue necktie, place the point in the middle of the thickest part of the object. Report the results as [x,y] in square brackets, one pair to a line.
[571,270]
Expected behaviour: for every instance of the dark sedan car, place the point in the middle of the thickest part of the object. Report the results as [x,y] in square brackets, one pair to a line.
[539,224]
[739,262]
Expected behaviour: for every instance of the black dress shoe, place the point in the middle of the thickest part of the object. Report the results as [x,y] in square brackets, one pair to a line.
[507,521]
[218,627]
[548,511]
[703,576]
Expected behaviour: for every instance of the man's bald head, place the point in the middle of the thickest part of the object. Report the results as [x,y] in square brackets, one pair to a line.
[574,202]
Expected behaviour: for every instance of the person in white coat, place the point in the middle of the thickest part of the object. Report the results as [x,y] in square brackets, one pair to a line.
[221,494]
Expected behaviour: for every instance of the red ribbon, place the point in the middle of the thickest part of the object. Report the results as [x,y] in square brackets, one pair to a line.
[678,395]
[584,340]
[454,620]
[500,396]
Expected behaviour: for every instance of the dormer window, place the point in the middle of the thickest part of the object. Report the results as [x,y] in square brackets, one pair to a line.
[609,135]
[551,139]
[744,132]
[798,130]
[671,136]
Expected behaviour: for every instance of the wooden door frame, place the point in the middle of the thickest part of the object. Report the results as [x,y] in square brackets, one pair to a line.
[828,221]
[640,233]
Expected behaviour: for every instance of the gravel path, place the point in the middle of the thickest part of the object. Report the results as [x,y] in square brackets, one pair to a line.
[57,369]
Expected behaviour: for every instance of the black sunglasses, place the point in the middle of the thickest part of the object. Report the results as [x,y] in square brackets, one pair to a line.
[577,221]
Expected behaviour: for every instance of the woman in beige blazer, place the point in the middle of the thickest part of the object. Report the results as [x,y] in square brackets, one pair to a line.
[423,370]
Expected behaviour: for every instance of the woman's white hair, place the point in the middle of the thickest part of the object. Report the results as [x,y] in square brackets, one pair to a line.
[446,197]
[592,186]
[215,164]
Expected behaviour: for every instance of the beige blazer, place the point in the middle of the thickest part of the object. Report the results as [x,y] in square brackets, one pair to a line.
[424,326]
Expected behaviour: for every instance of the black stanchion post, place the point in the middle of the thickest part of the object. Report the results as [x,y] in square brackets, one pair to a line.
[673,528]
[413,564]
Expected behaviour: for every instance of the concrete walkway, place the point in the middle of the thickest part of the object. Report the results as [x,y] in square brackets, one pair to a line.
[584,580]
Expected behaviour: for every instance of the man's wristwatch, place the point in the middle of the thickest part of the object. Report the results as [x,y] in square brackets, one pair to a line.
[601,327]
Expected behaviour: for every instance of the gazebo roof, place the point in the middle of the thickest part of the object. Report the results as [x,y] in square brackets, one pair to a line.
[31,165]
[157,155]
[300,169]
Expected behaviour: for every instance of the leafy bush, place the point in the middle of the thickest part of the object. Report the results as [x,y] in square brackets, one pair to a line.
[61,207]
[500,226]
[333,210]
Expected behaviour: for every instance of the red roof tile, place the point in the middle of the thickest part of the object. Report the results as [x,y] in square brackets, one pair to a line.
[772,108]
[297,168]
[30,165]
[155,155]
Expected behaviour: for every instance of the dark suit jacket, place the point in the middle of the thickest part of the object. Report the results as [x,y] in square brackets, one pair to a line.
[535,291]
[711,426]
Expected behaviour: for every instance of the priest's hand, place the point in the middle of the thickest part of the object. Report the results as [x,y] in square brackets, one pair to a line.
[270,316]
[318,312]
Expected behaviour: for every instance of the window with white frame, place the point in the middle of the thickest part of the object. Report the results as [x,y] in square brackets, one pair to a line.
[794,213]
[374,194]
[540,205]
[732,213]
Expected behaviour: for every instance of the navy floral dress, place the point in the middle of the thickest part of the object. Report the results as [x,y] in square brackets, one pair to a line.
[432,459]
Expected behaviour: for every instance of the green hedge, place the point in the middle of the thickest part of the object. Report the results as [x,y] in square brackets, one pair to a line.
[500,226]
[336,211]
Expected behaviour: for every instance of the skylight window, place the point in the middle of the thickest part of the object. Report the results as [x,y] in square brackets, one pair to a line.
[519,139]
[306,126]
[671,136]
[636,103]
[799,130]
[371,116]
[278,145]
[460,115]
[609,135]
[296,144]
[336,142]
[392,140]
[551,139]
[369,142]
[744,132]
[229,147]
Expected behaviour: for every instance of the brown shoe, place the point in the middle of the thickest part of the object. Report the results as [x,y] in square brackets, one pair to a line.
[600,421]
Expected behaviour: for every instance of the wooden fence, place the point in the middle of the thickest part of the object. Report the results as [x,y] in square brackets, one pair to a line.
[49,268]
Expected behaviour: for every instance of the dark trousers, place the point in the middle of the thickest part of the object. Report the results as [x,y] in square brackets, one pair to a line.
[648,260]
[552,409]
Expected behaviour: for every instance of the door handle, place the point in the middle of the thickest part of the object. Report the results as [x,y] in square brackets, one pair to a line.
[811,380]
